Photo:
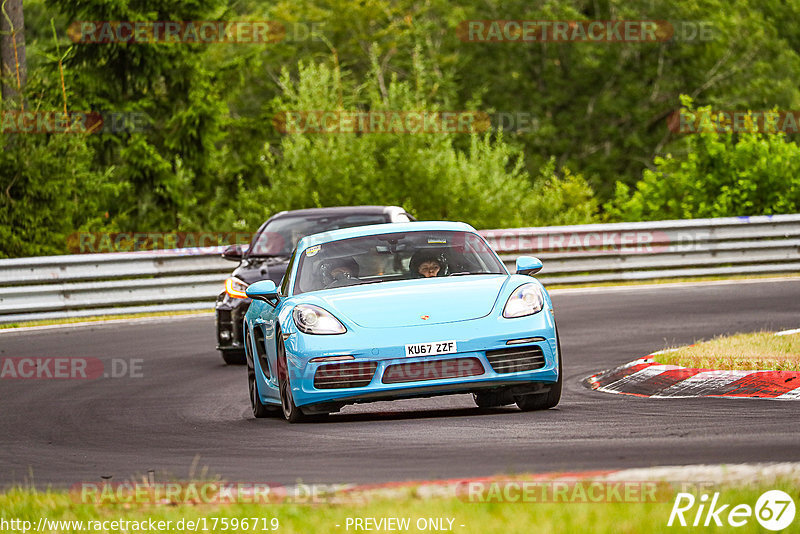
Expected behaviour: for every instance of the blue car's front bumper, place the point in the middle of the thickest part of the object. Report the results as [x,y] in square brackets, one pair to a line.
[385,347]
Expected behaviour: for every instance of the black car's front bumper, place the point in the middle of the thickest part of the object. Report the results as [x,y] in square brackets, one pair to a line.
[230,313]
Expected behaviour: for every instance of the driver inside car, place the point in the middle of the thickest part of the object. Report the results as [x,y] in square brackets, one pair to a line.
[338,270]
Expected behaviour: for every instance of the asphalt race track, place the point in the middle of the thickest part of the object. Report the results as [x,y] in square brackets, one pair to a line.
[188,414]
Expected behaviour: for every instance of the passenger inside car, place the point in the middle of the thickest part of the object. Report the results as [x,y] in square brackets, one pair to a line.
[427,264]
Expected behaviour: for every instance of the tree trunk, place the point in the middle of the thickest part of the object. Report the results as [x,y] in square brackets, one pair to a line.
[12,49]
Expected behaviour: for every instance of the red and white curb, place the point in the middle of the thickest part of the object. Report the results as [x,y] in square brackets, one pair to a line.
[647,378]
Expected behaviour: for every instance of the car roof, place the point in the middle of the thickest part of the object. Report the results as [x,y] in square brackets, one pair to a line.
[337,210]
[376,229]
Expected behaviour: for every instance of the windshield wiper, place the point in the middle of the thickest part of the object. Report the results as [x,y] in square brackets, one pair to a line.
[465,273]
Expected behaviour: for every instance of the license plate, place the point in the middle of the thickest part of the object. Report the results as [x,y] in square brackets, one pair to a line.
[430,349]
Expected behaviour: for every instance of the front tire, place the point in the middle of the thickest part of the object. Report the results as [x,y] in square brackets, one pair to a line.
[291,412]
[544,401]
[260,410]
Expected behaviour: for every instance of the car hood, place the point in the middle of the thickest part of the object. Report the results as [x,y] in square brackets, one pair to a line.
[254,270]
[415,302]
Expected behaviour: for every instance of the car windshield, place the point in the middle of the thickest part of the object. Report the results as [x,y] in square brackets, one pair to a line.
[281,235]
[396,256]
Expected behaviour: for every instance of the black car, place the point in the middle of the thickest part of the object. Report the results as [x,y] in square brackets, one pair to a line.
[268,255]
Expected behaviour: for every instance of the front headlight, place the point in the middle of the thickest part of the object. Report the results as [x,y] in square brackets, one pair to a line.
[235,288]
[525,300]
[312,319]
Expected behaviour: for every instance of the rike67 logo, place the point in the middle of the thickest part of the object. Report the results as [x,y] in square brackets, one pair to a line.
[774,510]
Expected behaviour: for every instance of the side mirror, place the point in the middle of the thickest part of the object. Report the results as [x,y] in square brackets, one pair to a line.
[265,290]
[233,253]
[528,265]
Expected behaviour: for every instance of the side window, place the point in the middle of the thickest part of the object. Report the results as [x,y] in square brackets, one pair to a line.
[287,275]
[257,237]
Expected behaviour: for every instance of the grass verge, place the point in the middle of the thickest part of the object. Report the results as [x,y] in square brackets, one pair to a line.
[759,351]
[483,518]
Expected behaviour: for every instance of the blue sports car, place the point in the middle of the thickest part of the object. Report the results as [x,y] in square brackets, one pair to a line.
[400,310]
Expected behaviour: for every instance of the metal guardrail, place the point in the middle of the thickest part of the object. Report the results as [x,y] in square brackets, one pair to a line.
[81,285]
[659,249]
[187,279]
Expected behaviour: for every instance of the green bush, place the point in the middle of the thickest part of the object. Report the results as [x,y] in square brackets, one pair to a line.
[719,175]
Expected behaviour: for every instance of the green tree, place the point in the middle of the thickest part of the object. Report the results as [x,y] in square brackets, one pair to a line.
[166,166]
[49,190]
[599,108]
[49,187]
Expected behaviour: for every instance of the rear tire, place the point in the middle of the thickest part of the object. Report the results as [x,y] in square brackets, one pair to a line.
[544,401]
[291,412]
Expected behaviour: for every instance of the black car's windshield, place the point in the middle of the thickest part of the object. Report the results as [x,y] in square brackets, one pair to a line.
[281,235]
[395,256]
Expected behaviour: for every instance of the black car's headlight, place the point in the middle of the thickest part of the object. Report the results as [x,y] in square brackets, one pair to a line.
[235,288]
[525,300]
[312,319]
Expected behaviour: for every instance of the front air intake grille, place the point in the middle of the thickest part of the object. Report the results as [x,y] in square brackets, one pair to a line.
[516,360]
[344,375]
[432,370]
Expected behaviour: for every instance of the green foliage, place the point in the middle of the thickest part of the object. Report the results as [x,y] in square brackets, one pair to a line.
[167,168]
[567,199]
[49,184]
[601,108]
[210,158]
[48,191]
[721,174]
[484,184]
